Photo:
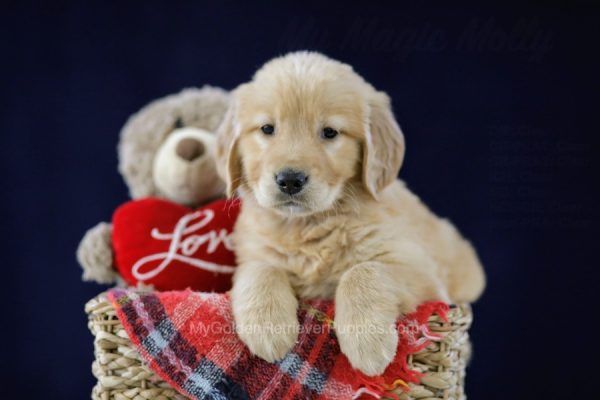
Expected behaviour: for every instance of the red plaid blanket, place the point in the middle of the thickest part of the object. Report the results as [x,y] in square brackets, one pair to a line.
[188,339]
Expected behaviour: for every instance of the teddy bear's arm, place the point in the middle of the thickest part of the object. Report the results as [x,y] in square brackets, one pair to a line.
[95,254]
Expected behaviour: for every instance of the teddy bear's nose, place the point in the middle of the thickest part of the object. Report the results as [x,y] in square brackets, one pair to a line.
[189,149]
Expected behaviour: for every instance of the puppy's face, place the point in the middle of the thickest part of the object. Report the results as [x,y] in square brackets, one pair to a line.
[298,145]
[298,133]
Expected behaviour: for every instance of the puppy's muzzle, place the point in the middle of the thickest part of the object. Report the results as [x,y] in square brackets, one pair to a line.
[291,181]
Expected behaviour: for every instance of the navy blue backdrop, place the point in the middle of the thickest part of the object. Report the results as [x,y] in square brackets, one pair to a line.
[495,102]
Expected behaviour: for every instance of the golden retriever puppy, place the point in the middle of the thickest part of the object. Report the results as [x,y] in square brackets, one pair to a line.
[314,152]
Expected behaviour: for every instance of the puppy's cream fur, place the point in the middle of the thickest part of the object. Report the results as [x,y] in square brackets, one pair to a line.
[354,233]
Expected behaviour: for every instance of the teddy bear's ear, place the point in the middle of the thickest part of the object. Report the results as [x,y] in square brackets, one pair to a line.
[228,161]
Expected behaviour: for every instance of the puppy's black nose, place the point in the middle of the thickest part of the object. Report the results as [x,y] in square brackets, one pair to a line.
[291,181]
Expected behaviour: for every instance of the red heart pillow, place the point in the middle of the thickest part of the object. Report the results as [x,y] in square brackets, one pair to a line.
[172,247]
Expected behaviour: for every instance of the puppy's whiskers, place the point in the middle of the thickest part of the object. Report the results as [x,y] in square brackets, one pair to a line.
[352,197]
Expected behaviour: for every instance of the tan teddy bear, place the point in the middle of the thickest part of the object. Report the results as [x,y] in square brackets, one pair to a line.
[166,150]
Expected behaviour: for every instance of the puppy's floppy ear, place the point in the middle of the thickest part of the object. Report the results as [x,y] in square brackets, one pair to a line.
[383,150]
[228,161]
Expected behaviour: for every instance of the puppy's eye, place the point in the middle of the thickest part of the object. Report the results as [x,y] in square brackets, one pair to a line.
[329,133]
[267,129]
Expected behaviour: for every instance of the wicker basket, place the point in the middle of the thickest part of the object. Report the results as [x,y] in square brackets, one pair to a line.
[122,374]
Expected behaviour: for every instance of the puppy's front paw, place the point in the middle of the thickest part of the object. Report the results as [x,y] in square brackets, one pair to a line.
[370,345]
[366,308]
[270,339]
[270,331]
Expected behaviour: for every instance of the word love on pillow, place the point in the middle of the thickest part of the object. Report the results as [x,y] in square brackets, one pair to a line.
[172,247]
